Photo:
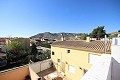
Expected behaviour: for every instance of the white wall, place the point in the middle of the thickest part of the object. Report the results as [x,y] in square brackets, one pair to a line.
[109,66]
[41,65]
[115,75]
[115,50]
[33,75]
[100,70]
[45,65]
[37,67]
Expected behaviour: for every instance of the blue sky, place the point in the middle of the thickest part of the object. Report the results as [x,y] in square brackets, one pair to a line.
[24,18]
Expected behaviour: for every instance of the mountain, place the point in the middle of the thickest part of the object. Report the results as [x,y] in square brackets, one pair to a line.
[52,36]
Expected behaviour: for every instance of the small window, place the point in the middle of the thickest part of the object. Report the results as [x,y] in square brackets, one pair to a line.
[68,51]
[58,60]
[53,53]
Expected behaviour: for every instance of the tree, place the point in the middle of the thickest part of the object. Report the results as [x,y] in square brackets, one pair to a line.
[33,49]
[32,54]
[43,55]
[83,36]
[45,44]
[16,51]
[98,32]
[14,48]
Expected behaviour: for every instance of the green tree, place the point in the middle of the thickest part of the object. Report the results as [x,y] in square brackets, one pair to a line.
[98,32]
[43,55]
[32,53]
[16,52]
[14,48]
[83,36]
[109,36]
[33,49]
[45,44]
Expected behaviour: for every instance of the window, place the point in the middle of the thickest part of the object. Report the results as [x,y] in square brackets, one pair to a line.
[71,69]
[58,60]
[68,51]
[53,53]
[93,58]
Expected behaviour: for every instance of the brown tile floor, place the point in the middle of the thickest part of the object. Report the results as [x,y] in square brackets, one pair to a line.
[46,72]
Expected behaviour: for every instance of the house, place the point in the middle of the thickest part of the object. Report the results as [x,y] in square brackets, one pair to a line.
[75,58]
[107,67]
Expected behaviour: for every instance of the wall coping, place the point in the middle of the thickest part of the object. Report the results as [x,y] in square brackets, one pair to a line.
[7,70]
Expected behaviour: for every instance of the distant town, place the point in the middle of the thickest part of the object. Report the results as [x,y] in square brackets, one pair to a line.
[43,41]
[56,52]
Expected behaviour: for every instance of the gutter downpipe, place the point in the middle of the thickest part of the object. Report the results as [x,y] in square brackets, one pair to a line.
[105,41]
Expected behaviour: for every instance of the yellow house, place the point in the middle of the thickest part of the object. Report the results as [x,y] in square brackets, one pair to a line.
[74,58]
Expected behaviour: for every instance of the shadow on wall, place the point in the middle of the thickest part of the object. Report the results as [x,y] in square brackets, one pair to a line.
[109,71]
[115,70]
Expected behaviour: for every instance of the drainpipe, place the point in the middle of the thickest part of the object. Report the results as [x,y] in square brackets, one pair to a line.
[105,41]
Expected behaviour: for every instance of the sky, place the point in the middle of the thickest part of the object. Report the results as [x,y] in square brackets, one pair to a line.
[25,18]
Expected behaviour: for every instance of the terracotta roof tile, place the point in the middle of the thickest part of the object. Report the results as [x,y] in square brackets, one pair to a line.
[94,46]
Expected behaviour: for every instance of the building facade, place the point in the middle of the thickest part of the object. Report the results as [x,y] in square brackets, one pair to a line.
[75,58]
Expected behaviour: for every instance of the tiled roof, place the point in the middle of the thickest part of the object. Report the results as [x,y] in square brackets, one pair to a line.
[93,46]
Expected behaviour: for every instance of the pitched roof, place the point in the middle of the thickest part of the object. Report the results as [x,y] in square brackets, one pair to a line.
[93,46]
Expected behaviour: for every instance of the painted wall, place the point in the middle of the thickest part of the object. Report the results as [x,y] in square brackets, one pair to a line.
[33,75]
[41,65]
[115,69]
[78,59]
[97,70]
[37,67]
[16,74]
[115,59]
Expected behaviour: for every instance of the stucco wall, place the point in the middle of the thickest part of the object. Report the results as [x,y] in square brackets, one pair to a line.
[41,65]
[100,70]
[115,69]
[78,59]
[33,75]
[16,74]
[37,67]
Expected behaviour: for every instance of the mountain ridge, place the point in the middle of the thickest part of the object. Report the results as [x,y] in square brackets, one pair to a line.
[57,36]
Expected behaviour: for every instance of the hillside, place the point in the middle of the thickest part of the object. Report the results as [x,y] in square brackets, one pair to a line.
[57,36]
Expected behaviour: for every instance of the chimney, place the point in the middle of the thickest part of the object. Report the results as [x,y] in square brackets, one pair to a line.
[88,39]
[62,37]
[118,34]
